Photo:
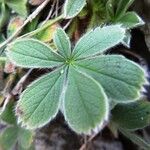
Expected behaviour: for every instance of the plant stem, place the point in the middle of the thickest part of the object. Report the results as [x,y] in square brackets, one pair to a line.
[29,19]
[32,33]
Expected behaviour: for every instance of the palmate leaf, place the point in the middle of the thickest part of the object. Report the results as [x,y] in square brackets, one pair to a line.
[39,103]
[81,90]
[120,78]
[85,104]
[73,7]
[32,53]
[132,116]
[62,43]
[98,41]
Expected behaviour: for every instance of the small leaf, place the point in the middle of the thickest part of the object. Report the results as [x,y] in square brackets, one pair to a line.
[25,138]
[85,104]
[130,20]
[39,103]
[62,42]
[121,79]
[32,53]
[110,9]
[136,139]
[19,6]
[47,34]
[8,114]
[132,116]
[123,5]
[8,138]
[98,41]
[73,7]
[13,25]
[4,14]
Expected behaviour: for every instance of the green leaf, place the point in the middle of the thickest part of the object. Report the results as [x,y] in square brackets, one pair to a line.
[98,41]
[110,10]
[130,20]
[32,53]
[8,114]
[121,79]
[39,103]
[8,138]
[19,6]
[62,42]
[85,104]
[122,7]
[73,7]
[46,35]
[133,115]
[4,15]
[136,139]
[25,138]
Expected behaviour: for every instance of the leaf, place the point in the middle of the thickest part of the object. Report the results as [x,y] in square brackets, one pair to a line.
[132,116]
[4,14]
[8,138]
[13,25]
[85,104]
[39,103]
[122,7]
[47,34]
[19,6]
[136,139]
[32,53]
[98,41]
[130,20]
[110,9]
[73,7]
[8,115]
[25,138]
[62,42]
[121,79]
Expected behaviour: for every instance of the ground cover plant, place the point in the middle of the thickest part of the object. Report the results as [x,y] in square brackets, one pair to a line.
[91,87]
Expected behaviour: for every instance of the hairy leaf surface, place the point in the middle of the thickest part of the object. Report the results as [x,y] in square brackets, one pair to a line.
[98,41]
[39,103]
[62,42]
[32,53]
[120,78]
[73,7]
[85,104]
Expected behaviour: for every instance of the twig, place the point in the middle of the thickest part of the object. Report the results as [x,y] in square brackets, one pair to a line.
[32,33]
[50,13]
[83,147]
[16,90]
[57,8]
[29,19]
[67,24]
